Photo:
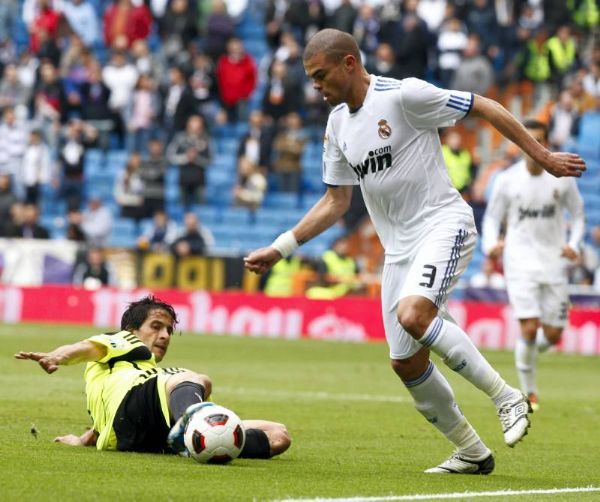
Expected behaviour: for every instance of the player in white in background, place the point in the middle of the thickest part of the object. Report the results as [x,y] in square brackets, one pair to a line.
[382,135]
[536,252]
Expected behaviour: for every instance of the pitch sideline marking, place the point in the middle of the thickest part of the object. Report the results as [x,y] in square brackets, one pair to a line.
[442,496]
[309,395]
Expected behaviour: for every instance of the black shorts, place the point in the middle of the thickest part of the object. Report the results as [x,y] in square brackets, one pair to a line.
[140,424]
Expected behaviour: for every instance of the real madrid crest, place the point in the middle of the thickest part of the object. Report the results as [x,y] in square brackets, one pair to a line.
[384,130]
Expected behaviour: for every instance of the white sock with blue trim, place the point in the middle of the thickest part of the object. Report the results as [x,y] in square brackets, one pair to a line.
[457,351]
[526,363]
[434,399]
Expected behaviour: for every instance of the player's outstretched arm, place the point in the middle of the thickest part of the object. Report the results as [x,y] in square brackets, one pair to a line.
[556,163]
[88,438]
[327,210]
[79,352]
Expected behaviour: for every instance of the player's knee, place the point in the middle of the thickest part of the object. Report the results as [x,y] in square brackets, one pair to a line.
[279,439]
[190,376]
[415,317]
[553,335]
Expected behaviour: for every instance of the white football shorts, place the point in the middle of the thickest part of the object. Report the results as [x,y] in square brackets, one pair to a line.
[532,300]
[432,272]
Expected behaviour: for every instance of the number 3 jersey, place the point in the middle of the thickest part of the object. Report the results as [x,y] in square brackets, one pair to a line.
[536,232]
[127,363]
[391,147]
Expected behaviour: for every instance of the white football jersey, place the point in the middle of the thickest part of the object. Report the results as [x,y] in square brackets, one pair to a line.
[390,146]
[536,231]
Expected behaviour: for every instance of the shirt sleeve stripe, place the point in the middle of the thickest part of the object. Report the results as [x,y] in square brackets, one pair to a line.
[459,98]
[459,108]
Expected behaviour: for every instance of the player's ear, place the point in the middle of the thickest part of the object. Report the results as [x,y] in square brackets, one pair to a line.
[349,62]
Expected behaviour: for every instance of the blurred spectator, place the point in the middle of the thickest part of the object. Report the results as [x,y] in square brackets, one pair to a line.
[13,143]
[179,102]
[256,144]
[236,78]
[120,76]
[45,22]
[11,227]
[488,276]
[77,138]
[13,92]
[563,118]
[74,231]
[475,73]
[8,15]
[31,9]
[36,167]
[591,81]
[30,227]
[283,94]
[410,39]
[279,281]
[383,62]
[129,189]
[140,114]
[461,168]
[190,151]
[153,170]
[581,99]
[290,53]
[275,13]
[159,237]
[563,53]
[7,197]
[432,12]
[95,98]
[249,191]
[451,43]
[195,240]
[73,72]
[50,102]
[337,273]
[178,26]
[366,29]
[83,20]
[204,87]
[96,222]
[147,63]
[288,147]
[343,17]
[305,18]
[95,271]
[481,20]
[219,30]
[124,23]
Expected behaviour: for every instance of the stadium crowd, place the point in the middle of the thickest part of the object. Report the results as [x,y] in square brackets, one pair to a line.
[160,81]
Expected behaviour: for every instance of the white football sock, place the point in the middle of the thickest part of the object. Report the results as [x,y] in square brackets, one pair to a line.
[541,341]
[434,399]
[457,351]
[526,364]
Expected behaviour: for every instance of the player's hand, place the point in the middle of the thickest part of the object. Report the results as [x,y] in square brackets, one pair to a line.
[48,363]
[261,260]
[497,250]
[564,164]
[69,439]
[569,253]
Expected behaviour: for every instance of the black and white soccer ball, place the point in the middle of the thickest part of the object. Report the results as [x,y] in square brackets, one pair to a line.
[214,434]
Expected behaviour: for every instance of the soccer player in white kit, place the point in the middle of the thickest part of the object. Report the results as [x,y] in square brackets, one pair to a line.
[536,252]
[382,135]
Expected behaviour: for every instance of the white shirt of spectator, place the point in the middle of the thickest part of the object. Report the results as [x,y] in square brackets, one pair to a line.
[121,81]
[535,224]
[391,148]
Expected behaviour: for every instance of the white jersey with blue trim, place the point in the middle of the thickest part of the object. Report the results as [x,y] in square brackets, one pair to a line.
[391,147]
[536,231]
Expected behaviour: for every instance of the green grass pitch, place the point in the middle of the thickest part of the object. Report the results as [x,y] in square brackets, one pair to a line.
[355,431]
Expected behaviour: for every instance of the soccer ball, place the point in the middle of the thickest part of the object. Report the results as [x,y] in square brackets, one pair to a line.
[214,434]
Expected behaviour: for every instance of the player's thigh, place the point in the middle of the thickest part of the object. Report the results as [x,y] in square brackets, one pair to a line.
[439,263]
[401,344]
[554,305]
[525,297]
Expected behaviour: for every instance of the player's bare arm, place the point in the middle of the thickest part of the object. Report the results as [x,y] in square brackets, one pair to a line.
[327,210]
[556,163]
[79,352]
[88,438]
